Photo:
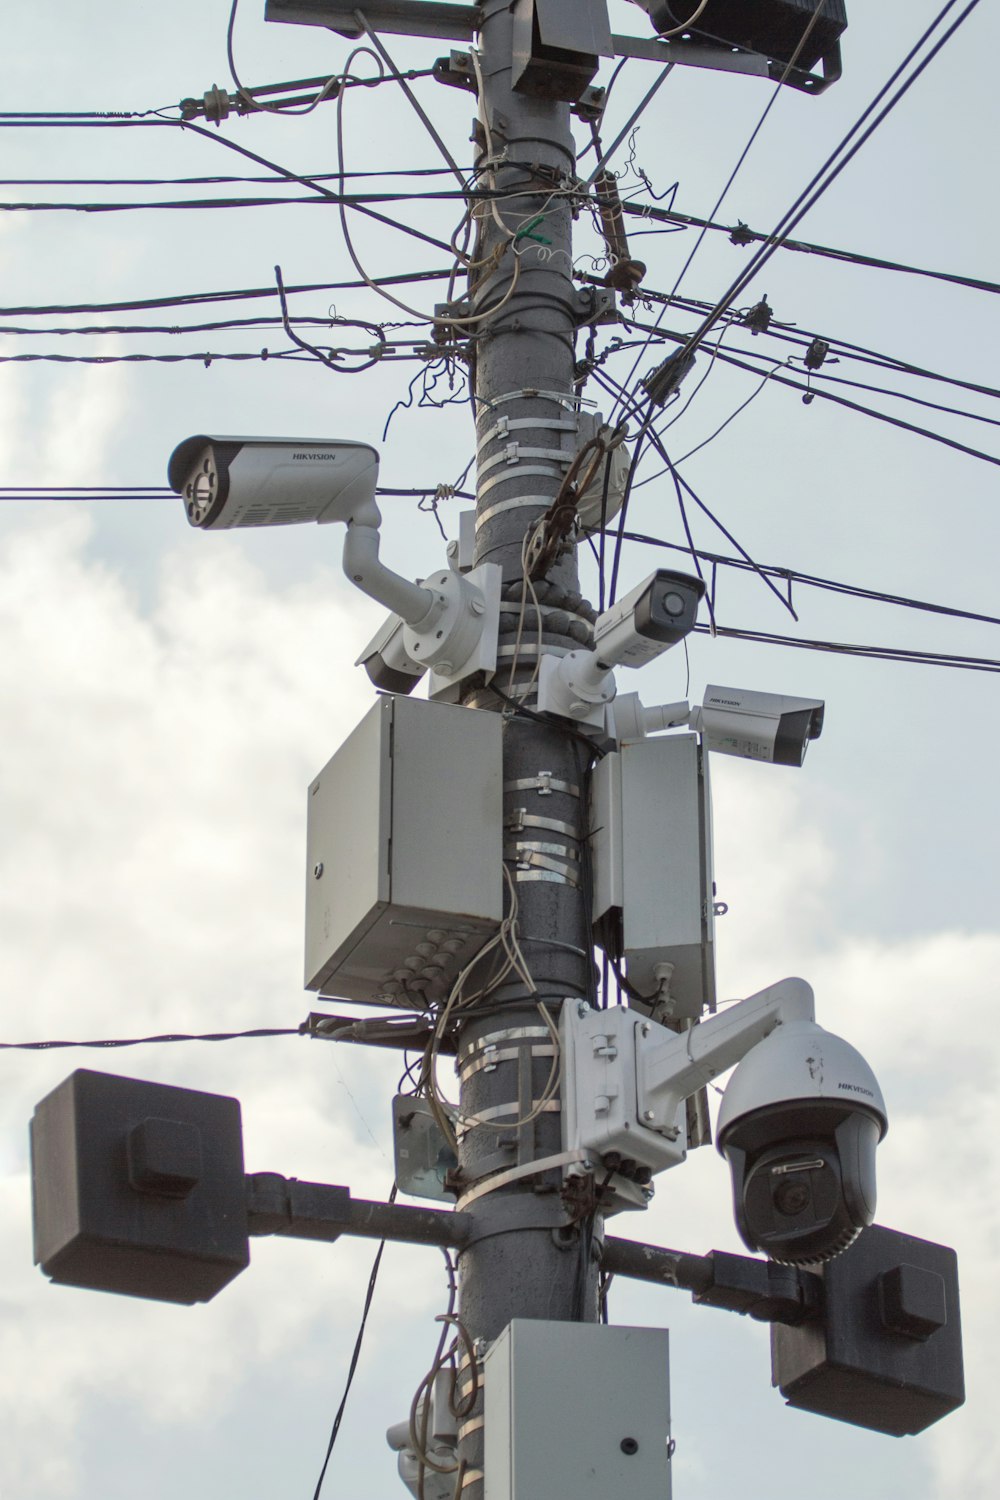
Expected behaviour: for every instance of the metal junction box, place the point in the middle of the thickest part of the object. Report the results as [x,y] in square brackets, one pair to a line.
[558,45]
[404,879]
[577,1411]
[601,1111]
[651,843]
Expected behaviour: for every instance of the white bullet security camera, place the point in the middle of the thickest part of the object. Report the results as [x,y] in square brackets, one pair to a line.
[252,481]
[758,726]
[449,622]
[799,1124]
[654,616]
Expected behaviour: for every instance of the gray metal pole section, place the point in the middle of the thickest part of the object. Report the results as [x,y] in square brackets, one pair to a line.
[524,1261]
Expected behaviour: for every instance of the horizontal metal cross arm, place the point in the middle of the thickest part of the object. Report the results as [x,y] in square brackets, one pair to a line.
[402,17]
[761,1289]
[318,1211]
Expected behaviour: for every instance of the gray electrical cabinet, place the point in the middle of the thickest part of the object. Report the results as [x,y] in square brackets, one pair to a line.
[404,879]
[577,1411]
[651,853]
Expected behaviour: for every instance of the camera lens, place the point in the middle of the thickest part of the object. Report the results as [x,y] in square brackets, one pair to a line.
[792,1195]
[673,604]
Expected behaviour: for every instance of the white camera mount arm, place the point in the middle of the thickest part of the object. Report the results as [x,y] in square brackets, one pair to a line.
[626,1078]
[450,622]
[671,1067]
[657,614]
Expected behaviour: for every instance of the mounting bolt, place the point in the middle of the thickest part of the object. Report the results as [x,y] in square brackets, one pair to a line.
[648,1115]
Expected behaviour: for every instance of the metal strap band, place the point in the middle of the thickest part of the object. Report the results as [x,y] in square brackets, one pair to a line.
[511,1034]
[519,471]
[538,846]
[472,1476]
[524,819]
[536,1107]
[493,1059]
[526,877]
[561,398]
[520,424]
[514,1174]
[544,784]
[514,453]
[532,861]
[520,502]
[466,1429]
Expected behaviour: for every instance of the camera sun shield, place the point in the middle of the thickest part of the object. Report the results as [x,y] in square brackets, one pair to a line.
[654,616]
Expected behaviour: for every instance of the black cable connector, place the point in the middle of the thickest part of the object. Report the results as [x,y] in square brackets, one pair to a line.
[668,377]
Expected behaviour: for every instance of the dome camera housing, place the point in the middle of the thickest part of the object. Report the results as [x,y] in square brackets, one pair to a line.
[799,1125]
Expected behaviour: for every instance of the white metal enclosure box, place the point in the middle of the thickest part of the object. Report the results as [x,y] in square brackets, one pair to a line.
[651,843]
[404,878]
[577,1411]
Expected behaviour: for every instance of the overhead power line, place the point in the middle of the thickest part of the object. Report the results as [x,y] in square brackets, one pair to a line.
[791,576]
[175,1036]
[741,235]
[844,648]
[194,299]
[838,160]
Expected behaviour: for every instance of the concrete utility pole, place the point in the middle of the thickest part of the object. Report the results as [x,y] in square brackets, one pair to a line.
[140,1187]
[521,1263]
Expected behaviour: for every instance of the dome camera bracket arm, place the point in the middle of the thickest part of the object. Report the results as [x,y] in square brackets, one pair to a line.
[671,1067]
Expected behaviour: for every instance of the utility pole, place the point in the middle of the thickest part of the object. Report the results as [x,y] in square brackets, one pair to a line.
[521,1263]
[566,1109]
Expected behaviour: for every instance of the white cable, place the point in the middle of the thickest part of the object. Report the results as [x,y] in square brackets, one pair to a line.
[678,30]
[414,312]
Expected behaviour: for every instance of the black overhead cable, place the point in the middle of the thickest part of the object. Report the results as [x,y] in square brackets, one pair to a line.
[868,411]
[734,173]
[741,234]
[789,334]
[148,1041]
[195,299]
[836,162]
[814,392]
[350,200]
[872,653]
[217,180]
[791,576]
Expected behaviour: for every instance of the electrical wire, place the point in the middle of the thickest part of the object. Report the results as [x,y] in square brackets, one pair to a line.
[895,654]
[437,320]
[792,576]
[741,234]
[148,1041]
[355,1357]
[867,411]
[251,98]
[840,158]
[195,299]
[737,168]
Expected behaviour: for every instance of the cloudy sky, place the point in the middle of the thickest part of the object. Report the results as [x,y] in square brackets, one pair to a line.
[167,696]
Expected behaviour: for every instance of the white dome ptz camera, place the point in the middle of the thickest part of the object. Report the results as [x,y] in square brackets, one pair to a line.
[799,1125]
